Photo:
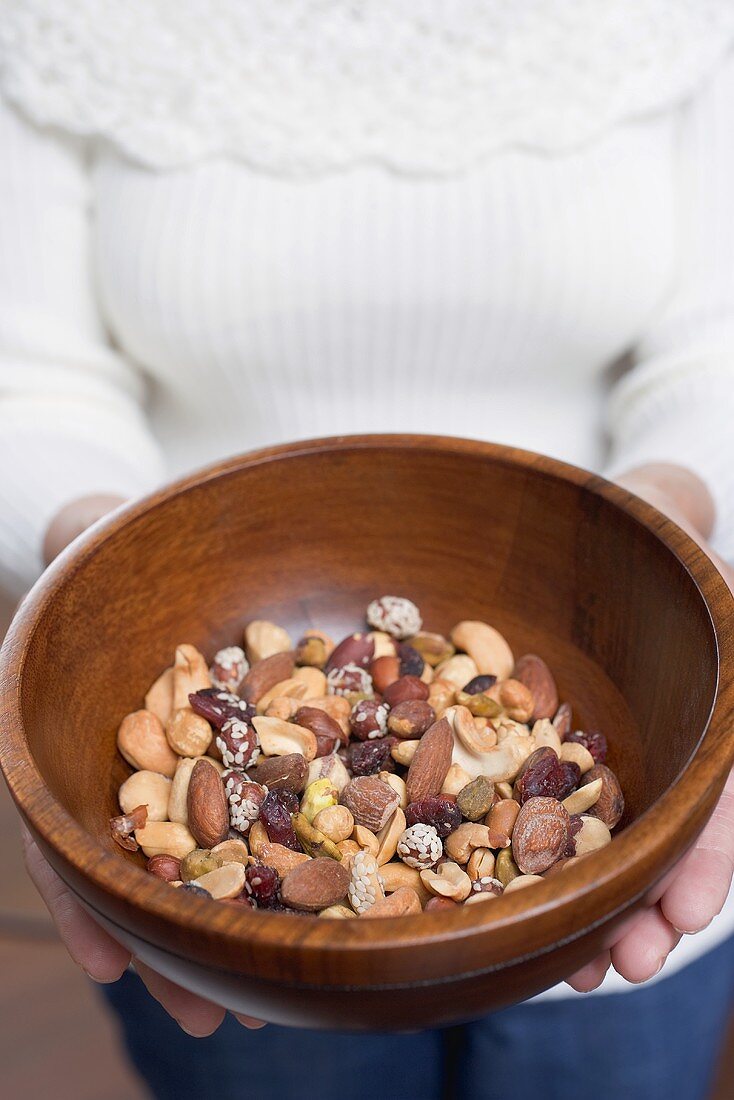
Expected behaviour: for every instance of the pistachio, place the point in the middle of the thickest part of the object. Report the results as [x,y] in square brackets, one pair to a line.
[505,867]
[313,841]
[317,796]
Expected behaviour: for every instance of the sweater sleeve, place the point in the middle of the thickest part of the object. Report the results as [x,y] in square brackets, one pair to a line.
[71,407]
[677,403]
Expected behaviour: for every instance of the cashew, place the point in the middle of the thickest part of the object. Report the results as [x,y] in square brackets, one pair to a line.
[145,788]
[313,678]
[447,881]
[190,673]
[455,781]
[404,752]
[460,843]
[475,735]
[279,738]
[395,875]
[458,670]
[486,646]
[289,689]
[546,734]
[338,912]
[264,639]
[166,838]
[159,698]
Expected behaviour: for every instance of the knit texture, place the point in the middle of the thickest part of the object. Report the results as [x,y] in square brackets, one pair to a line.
[304,86]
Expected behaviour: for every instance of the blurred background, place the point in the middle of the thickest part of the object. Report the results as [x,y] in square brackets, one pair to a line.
[56,1034]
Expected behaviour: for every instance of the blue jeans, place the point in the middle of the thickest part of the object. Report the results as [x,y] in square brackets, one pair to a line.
[658,1042]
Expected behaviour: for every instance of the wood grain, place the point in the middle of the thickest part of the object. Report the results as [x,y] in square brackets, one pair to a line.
[626,610]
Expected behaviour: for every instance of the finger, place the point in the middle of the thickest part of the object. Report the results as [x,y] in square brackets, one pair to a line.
[195,1015]
[91,948]
[592,975]
[249,1022]
[700,889]
[641,953]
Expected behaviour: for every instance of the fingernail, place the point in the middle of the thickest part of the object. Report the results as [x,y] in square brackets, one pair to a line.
[692,931]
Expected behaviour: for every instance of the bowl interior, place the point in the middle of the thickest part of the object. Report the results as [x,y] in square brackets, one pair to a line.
[308,538]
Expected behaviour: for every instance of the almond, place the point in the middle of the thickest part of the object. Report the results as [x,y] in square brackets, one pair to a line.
[275,772]
[206,804]
[315,885]
[431,762]
[371,801]
[411,718]
[609,806]
[540,835]
[356,649]
[532,671]
[320,723]
[404,902]
[265,674]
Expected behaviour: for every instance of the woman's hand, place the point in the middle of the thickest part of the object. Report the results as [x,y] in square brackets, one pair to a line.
[91,948]
[694,892]
[73,519]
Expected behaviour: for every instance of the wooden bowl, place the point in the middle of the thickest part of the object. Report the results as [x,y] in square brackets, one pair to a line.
[628,612]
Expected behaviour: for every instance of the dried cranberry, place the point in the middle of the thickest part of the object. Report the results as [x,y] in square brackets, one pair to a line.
[277,821]
[219,706]
[262,884]
[594,741]
[442,813]
[411,662]
[574,827]
[546,777]
[573,774]
[479,684]
[237,741]
[369,757]
[368,720]
[288,800]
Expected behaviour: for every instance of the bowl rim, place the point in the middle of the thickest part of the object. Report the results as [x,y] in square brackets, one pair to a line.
[647,844]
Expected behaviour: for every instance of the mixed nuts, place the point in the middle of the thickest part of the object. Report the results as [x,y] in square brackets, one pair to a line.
[395,772]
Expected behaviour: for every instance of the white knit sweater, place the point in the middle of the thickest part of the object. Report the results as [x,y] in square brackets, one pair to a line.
[228,224]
